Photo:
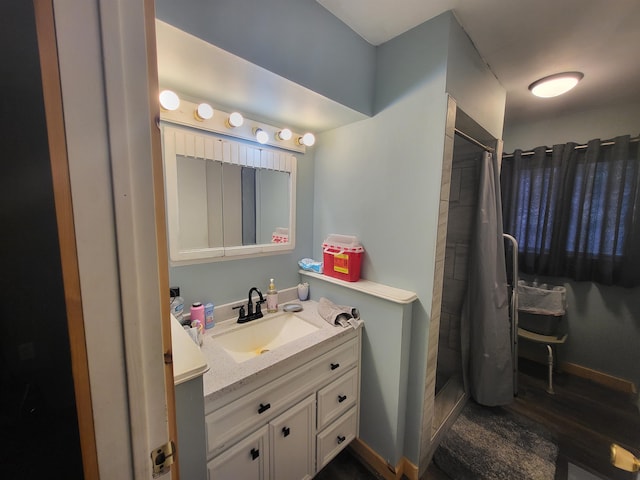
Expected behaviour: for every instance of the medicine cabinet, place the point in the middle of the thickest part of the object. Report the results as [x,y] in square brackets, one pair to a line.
[226,198]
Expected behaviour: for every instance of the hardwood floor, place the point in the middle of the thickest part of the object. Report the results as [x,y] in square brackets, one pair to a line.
[584,416]
[346,467]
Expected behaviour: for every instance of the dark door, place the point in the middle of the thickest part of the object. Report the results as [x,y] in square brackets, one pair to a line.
[38,420]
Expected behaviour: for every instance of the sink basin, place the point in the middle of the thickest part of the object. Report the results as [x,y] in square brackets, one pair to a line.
[263,335]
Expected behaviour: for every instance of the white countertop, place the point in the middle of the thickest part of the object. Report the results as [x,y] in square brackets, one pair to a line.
[188,360]
[225,374]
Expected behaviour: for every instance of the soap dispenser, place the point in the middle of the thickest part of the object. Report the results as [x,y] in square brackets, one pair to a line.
[272,298]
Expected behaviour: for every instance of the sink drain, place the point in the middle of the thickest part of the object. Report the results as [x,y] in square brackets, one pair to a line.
[264,351]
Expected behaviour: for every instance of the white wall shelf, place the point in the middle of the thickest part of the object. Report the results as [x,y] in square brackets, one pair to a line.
[379,290]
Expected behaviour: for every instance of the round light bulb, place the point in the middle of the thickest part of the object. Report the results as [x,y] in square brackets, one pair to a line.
[169,100]
[235,120]
[284,134]
[261,135]
[555,85]
[204,112]
[308,139]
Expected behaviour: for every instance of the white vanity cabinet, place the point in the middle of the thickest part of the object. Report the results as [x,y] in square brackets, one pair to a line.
[289,424]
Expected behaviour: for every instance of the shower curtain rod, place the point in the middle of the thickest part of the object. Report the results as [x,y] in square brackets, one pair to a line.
[474,141]
[577,147]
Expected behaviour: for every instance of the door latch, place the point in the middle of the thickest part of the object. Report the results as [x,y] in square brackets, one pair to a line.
[162,458]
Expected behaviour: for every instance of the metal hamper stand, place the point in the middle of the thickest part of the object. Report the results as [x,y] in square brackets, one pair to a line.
[514,312]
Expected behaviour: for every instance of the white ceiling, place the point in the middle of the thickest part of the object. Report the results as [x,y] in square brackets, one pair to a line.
[522,41]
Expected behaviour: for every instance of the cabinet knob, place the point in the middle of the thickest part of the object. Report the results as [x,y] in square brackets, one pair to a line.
[286,431]
[263,408]
[255,453]
[341,438]
[334,366]
[341,398]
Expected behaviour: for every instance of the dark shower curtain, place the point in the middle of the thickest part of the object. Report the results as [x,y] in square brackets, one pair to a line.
[485,326]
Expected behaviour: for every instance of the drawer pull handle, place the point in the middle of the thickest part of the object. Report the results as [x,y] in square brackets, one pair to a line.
[341,398]
[255,453]
[334,366]
[341,438]
[263,408]
[286,431]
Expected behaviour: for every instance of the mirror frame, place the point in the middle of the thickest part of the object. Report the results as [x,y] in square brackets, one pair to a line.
[203,144]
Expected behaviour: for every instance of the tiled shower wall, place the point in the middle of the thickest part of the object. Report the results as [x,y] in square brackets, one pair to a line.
[462,207]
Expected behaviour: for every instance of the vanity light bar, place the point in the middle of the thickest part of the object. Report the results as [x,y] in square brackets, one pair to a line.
[203,117]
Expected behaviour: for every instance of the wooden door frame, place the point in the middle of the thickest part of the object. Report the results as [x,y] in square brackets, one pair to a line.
[114,258]
[48,53]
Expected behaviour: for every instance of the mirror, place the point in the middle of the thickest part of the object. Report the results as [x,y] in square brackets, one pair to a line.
[226,198]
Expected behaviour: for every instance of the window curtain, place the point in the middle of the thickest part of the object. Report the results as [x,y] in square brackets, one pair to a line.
[575,211]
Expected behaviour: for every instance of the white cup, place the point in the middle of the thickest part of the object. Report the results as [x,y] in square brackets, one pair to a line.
[303,291]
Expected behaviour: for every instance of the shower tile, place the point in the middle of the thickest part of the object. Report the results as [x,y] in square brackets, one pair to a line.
[450,261]
[447,159]
[469,186]
[454,190]
[461,262]
[451,117]
[443,215]
[452,296]
[454,334]
[445,321]
[459,225]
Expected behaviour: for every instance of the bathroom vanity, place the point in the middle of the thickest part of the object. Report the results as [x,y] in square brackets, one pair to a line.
[189,364]
[283,411]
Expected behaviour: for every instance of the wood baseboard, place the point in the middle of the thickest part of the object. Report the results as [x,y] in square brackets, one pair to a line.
[609,381]
[367,455]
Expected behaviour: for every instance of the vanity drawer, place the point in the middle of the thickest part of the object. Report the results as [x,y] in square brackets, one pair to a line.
[335,438]
[337,397]
[228,423]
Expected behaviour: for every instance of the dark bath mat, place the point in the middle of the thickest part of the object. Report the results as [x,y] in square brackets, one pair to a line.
[488,443]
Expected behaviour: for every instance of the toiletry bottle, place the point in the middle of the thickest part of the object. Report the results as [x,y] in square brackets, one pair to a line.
[197,319]
[177,303]
[208,316]
[272,298]
[197,314]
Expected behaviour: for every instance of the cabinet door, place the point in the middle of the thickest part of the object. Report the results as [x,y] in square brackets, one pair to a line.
[293,442]
[247,460]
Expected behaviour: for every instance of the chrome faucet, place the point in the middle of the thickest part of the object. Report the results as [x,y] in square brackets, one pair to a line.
[250,314]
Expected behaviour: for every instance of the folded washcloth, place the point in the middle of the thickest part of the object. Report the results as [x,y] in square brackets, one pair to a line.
[310,265]
[338,314]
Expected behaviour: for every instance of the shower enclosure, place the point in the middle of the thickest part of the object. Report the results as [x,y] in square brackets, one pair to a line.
[463,197]
[465,144]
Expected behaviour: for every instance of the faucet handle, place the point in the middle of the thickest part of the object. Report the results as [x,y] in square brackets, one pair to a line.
[258,313]
[241,313]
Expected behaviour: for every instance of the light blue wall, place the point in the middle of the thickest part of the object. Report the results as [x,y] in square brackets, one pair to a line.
[297,39]
[603,322]
[605,123]
[472,84]
[379,179]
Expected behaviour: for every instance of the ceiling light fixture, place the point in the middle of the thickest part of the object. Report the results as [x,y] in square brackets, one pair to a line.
[235,120]
[555,85]
[261,136]
[204,111]
[308,139]
[284,134]
[169,100]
